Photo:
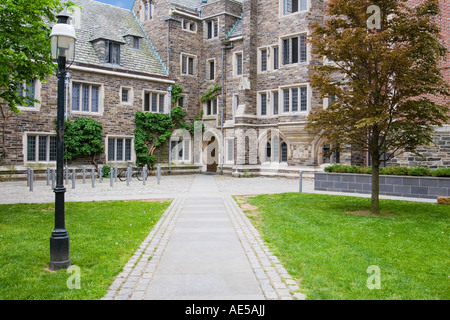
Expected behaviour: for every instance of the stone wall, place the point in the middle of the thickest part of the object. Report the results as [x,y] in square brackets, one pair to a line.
[117,118]
[402,186]
[437,155]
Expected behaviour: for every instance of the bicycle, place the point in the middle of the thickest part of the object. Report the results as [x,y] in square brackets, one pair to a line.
[136,172]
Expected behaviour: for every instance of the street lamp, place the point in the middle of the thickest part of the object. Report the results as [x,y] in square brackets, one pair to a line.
[63,39]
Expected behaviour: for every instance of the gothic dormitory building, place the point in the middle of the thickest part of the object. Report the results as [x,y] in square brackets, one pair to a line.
[254,53]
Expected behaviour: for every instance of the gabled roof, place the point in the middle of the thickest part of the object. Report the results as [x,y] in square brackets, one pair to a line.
[100,21]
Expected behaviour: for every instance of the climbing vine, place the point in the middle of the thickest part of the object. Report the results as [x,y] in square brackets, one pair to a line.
[211,94]
[153,130]
[83,137]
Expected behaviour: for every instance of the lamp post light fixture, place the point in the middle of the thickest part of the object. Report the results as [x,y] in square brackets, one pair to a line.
[63,39]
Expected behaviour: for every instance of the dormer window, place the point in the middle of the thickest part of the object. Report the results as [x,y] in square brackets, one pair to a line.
[136,42]
[112,52]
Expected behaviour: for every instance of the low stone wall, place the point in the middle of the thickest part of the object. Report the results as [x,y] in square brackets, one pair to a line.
[402,186]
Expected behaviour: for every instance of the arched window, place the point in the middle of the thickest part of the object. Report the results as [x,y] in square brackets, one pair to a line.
[268,151]
[284,152]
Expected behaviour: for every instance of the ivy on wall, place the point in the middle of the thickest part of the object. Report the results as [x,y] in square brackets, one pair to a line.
[83,137]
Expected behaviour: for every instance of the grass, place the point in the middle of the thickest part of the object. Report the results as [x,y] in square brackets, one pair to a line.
[328,242]
[103,237]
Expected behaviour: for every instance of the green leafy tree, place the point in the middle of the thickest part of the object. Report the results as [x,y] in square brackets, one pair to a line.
[382,79]
[24,51]
[83,137]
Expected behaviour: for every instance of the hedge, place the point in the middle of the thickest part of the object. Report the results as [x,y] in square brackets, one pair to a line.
[397,171]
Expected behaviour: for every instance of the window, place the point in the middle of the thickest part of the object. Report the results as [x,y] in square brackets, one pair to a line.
[294,49]
[284,156]
[148,10]
[230,150]
[112,52]
[180,150]
[211,107]
[275,57]
[136,42]
[41,148]
[292,6]
[189,25]
[119,149]
[85,97]
[295,99]
[236,101]
[238,63]
[263,104]
[187,64]
[212,29]
[154,102]
[263,55]
[27,89]
[211,69]
[126,95]
[125,92]
[275,102]
[268,151]
[183,101]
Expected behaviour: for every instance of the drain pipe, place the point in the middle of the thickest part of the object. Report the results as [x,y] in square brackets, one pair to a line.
[226,47]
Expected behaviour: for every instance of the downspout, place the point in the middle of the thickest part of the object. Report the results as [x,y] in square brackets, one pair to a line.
[169,93]
[230,46]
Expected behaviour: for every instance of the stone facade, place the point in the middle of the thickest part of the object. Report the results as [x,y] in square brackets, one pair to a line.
[253,49]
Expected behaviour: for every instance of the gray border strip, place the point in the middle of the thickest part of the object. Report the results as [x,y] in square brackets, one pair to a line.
[135,278]
[273,278]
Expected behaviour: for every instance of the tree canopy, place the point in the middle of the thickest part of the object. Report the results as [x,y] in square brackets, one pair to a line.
[24,46]
[379,81]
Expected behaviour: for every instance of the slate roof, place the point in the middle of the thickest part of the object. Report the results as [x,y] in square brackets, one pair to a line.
[106,22]
[189,5]
[236,29]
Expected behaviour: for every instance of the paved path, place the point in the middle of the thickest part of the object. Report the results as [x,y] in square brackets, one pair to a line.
[204,247]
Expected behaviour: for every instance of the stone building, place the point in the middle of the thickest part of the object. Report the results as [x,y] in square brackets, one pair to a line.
[116,72]
[254,52]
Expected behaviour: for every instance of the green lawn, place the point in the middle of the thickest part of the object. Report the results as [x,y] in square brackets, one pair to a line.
[103,237]
[328,250]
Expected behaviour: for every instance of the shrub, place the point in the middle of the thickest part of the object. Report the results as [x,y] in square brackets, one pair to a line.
[441,172]
[105,171]
[419,171]
[392,170]
[400,171]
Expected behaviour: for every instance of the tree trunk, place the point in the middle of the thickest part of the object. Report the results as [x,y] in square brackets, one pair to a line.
[375,202]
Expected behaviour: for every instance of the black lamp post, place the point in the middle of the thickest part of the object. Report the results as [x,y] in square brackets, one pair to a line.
[63,48]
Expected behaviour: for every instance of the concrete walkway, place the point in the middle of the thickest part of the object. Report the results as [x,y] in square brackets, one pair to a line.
[204,247]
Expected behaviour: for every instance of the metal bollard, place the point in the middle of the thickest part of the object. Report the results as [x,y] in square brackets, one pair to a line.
[116,172]
[144,175]
[84,174]
[48,176]
[111,178]
[28,176]
[67,175]
[301,182]
[128,175]
[93,177]
[53,178]
[31,179]
[158,173]
[74,177]
[100,174]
